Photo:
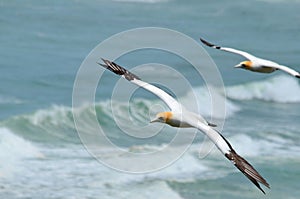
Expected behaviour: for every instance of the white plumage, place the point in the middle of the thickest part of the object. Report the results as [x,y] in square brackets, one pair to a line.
[182,118]
[254,63]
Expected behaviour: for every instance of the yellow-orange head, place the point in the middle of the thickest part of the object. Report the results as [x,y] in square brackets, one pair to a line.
[163,117]
[244,64]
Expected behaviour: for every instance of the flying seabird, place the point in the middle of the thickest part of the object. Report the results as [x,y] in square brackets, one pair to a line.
[182,118]
[253,63]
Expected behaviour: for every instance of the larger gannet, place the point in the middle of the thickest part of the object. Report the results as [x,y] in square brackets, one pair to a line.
[180,117]
[253,63]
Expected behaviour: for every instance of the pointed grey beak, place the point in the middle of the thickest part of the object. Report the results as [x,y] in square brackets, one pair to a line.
[238,66]
[154,120]
[157,119]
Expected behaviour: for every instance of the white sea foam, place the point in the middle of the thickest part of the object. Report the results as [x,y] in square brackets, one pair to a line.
[138,111]
[14,149]
[282,89]
[55,115]
[152,190]
[272,145]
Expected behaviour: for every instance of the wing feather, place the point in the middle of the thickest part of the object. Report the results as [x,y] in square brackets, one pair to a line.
[247,169]
[225,147]
[231,50]
[119,70]
[288,70]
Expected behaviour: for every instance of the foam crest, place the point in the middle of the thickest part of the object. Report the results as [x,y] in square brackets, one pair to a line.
[177,171]
[45,125]
[56,122]
[54,115]
[268,145]
[145,190]
[14,149]
[282,89]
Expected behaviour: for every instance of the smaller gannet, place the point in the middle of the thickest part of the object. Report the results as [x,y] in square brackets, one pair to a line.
[253,63]
[182,118]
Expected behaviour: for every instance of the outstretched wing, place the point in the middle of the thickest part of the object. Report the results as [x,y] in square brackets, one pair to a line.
[119,70]
[224,146]
[231,50]
[247,169]
[288,70]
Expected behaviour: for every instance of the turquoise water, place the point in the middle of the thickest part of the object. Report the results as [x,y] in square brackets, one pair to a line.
[43,44]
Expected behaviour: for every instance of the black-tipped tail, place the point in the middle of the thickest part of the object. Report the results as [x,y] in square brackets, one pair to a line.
[117,69]
[247,169]
[209,44]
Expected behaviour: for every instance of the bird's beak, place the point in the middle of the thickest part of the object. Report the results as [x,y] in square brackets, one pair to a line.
[154,120]
[238,66]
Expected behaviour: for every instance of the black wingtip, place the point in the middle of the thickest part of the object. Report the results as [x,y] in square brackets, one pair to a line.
[298,76]
[117,69]
[107,64]
[106,61]
[248,170]
[206,42]
[104,65]
[209,44]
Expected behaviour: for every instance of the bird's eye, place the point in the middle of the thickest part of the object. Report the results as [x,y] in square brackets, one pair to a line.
[161,118]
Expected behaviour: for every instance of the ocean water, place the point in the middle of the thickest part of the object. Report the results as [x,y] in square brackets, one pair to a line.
[43,44]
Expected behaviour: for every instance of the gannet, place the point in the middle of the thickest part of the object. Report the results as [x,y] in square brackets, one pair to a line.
[253,63]
[182,118]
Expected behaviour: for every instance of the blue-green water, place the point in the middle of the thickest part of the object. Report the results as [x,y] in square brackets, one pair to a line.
[42,46]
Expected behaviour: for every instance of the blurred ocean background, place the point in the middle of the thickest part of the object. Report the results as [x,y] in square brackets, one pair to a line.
[42,46]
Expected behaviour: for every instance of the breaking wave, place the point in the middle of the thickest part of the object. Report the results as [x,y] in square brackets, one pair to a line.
[14,149]
[282,89]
